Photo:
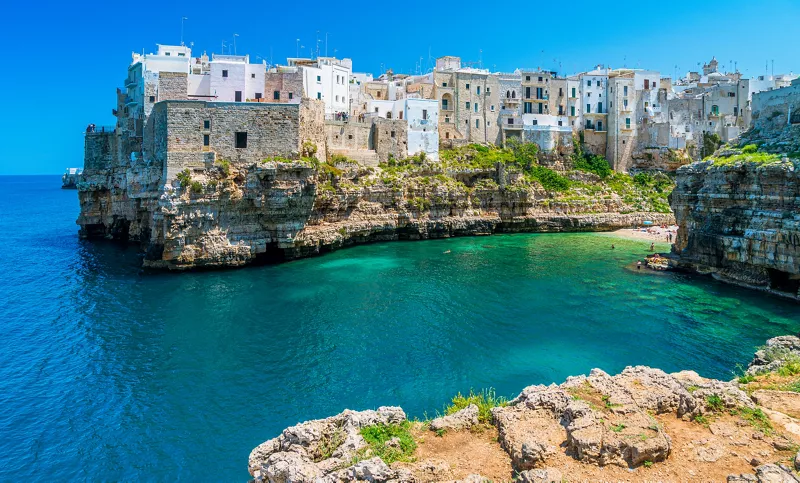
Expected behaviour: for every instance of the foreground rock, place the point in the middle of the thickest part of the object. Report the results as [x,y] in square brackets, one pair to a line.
[628,424]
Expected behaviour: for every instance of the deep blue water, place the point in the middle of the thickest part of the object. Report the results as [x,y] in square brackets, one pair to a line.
[107,373]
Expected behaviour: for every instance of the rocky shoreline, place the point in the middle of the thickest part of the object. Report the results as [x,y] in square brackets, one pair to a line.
[640,425]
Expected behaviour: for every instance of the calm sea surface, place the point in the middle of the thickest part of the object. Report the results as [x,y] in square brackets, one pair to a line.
[108,373]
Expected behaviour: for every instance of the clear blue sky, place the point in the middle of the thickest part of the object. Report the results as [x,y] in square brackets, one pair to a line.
[63,61]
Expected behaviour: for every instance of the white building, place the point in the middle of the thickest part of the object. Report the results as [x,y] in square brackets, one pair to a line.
[328,79]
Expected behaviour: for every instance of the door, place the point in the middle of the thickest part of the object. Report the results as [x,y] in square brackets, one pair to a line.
[238,96]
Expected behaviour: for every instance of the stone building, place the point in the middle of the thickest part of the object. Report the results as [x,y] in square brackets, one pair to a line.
[283,84]
[510,85]
[469,101]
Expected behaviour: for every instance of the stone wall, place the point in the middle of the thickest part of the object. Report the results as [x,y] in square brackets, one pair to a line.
[348,135]
[285,83]
[172,86]
[99,150]
[312,125]
[390,137]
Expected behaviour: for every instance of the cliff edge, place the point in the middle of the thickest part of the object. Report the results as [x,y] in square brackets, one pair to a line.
[640,425]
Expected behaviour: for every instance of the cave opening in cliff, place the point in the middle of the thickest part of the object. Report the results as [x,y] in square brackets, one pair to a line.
[783,281]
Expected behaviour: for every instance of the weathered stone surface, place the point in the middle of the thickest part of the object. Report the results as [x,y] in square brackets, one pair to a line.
[329,442]
[772,473]
[774,354]
[546,475]
[463,419]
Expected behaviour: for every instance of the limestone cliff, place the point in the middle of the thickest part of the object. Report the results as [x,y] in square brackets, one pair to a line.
[740,222]
[231,215]
[640,425]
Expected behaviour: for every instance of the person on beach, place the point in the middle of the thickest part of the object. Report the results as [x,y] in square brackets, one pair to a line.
[653,247]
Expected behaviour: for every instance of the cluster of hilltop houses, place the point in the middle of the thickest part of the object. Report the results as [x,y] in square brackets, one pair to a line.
[634,117]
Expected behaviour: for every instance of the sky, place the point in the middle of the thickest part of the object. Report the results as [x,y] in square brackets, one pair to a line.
[64,60]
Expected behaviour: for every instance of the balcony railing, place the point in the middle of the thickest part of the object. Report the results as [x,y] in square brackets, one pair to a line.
[93,129]
[517,124]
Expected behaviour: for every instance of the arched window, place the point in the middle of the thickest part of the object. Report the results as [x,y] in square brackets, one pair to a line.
[513,94]
[508,94]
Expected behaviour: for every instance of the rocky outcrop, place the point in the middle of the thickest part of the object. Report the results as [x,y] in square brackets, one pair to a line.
[740,222]
[621,421]
[271,211]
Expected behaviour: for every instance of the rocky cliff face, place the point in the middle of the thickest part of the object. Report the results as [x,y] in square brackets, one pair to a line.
[739,215]
[640,425]
[279,209]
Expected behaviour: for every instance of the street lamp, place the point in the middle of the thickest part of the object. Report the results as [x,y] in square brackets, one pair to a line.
[182,19]
[234,43]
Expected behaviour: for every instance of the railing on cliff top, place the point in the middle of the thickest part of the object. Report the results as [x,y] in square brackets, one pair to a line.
[92,129]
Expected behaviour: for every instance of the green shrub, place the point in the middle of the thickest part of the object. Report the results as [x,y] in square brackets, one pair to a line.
[549,179]
[308,149]
[338,158]
[197,187]
[617,428]
[376,437]
[328,444]
[185,177]
[485,400]
[593,164]
[790,366]
[750,148]
[225,166]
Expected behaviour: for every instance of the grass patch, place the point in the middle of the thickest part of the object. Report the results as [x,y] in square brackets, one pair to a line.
[197,187]
[648,464]
[790,366]
[607,402]
[757,419]
[485,400]
[185,177]
[714,403]
[376,437]
[701,419]
[617,428]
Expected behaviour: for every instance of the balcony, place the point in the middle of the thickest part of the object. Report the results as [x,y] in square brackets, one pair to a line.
[130,82]
[130,100]
[92,129]
[513,126]
[447,108]
[510,100]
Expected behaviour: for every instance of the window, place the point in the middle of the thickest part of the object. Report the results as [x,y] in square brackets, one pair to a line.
[588,83]
[508,94]
[598,83]
[425,114]
[528,78]
[476,107]
[241,140]
[731,94]
[588,94]
[560,123]
[624,90]
[444,104]
[258,95]
[625,103]
[319,78]
[560,92]
[478,90]
[152,98]
[252,76]
[291,95]
[540,79]
[628,123]
[539,93]
[535,122]
[276,95]
[205,140]
[572,111]
[337,79]
[224,73]
[467,85]
[573,92]
[610,105]
[207,124]
[492,108]
[337,98]
[237,96]
[513,94]
[447,120]
[735,111]
[527,93]
[467,104]
[714,110]
[540,108]
[588,108]
[444,84]
[392,134]
[168,54]
[528,108]
[488,123]
[488,90]
[477,123]
[560,110]
[599,107]
[181,54]
[319,95]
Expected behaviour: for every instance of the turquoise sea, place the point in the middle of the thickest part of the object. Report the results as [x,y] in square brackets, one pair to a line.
[108,373]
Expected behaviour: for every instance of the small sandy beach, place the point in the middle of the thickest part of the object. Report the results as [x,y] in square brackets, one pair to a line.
[654,233]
